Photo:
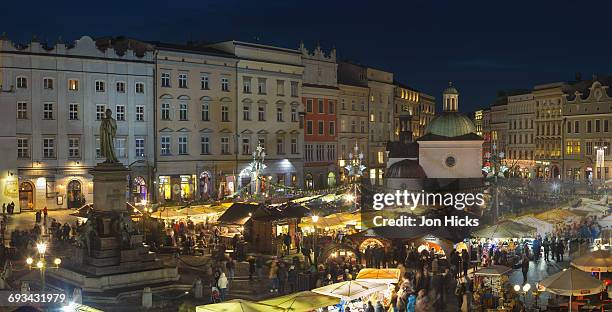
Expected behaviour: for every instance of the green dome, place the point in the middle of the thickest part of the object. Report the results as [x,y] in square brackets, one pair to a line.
[451,124]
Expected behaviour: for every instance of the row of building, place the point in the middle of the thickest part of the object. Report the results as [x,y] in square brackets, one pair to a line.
[189,117]
[554,131]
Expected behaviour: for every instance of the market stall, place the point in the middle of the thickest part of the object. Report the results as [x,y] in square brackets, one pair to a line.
[389,276]
[237,305]
[351,290]
[556,216]
[596,261]
[571,283]
[302,301]
[506,229]
[541,226]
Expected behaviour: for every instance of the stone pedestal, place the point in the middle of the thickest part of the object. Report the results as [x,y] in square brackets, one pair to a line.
[111,264]
[110,184]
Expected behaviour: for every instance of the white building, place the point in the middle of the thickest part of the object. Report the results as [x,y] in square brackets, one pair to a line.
[61,92]
[269,110]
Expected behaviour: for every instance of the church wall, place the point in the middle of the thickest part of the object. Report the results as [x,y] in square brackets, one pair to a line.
[433,155]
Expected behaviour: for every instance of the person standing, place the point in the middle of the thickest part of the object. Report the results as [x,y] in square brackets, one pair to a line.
[3,208]
[546,245]
[222,285]
[459,292]
[45,213]
[251,268]
[273,276]
[560,250]
[525,268]
[292,279]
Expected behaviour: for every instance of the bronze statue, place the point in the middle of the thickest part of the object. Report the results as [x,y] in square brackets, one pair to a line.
[88,232]
[124,230]
[108,130]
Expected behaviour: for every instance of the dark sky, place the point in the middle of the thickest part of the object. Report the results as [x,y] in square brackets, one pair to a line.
[482,46]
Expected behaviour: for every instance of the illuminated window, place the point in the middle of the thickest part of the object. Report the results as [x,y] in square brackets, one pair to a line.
[73,85]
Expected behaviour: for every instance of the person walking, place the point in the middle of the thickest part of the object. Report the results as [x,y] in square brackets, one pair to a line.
[459,292]
[292,279]
[560,250]
[222,284]
[273,277]
[3,208]
[546,245]
[525,268]
[45,213]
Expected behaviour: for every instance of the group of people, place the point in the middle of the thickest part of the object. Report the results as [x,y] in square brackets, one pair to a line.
[10,208]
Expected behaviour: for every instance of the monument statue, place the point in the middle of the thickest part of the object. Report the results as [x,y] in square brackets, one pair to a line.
[88,232]
[124,230]
[108,130]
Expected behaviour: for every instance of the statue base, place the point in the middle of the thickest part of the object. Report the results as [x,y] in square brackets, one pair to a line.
[111,257]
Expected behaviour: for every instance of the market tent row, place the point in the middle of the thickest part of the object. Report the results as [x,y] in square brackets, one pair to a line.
[541,226]
[596,261]
[334,221]
[238,213]
[557,216]
[506,229]
[200,213]
[351,290]
[571,282]
[237,305]
[302,301]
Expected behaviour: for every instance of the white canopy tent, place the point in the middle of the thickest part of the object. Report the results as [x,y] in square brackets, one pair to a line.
[542,226]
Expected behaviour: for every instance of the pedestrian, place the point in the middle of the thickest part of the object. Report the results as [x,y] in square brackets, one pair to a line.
[546,245]
[37,216]
[379,307]
[3,208]
[292,279]
[525,268]
[222,285]
[370,307]
[45,213]
[560,250]
[459,292]
[273,277]
[282,277]
[287,242]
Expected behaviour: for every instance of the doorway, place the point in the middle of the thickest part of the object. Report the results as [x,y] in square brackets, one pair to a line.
[26,196]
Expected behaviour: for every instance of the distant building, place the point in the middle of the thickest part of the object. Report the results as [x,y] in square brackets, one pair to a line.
[442,159]
[352,113]
[548,123]
[61,94]
[419,105]
[320,94]
[521,135]
[587,112]
[196,122]
[269,89]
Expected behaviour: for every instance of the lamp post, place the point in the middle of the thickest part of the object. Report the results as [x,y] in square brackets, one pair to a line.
[315,219]
[257,165]
[600,166]
[355,169]
[41,263]
[524,290]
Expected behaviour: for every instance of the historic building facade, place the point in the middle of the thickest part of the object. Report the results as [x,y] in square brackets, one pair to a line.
[320,100]
[419,105]
[269,82]
[9,182]
[587,115]
[521,134]
[61,93]
[196,122]
[380,110]
[548,136]
[352,113]
[498,124]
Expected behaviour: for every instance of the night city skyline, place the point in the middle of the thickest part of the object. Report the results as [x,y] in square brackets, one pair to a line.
[481,47]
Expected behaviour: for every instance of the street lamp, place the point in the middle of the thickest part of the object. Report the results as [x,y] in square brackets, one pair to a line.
[315,219]
[523,291]
[600,165]
[41,263]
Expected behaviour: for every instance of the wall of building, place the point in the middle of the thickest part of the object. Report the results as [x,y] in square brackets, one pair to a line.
[192,112]
[45,89]
[433,155]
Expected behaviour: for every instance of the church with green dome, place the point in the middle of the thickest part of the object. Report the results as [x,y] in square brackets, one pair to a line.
[443,158]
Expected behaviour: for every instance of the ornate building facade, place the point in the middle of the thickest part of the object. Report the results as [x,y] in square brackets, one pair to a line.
[320,100]
[60,95]
[196,122]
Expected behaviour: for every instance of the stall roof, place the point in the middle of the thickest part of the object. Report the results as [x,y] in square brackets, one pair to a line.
[285,211]
[238,213]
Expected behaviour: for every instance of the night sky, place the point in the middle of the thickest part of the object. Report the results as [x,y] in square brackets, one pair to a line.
[482,46]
